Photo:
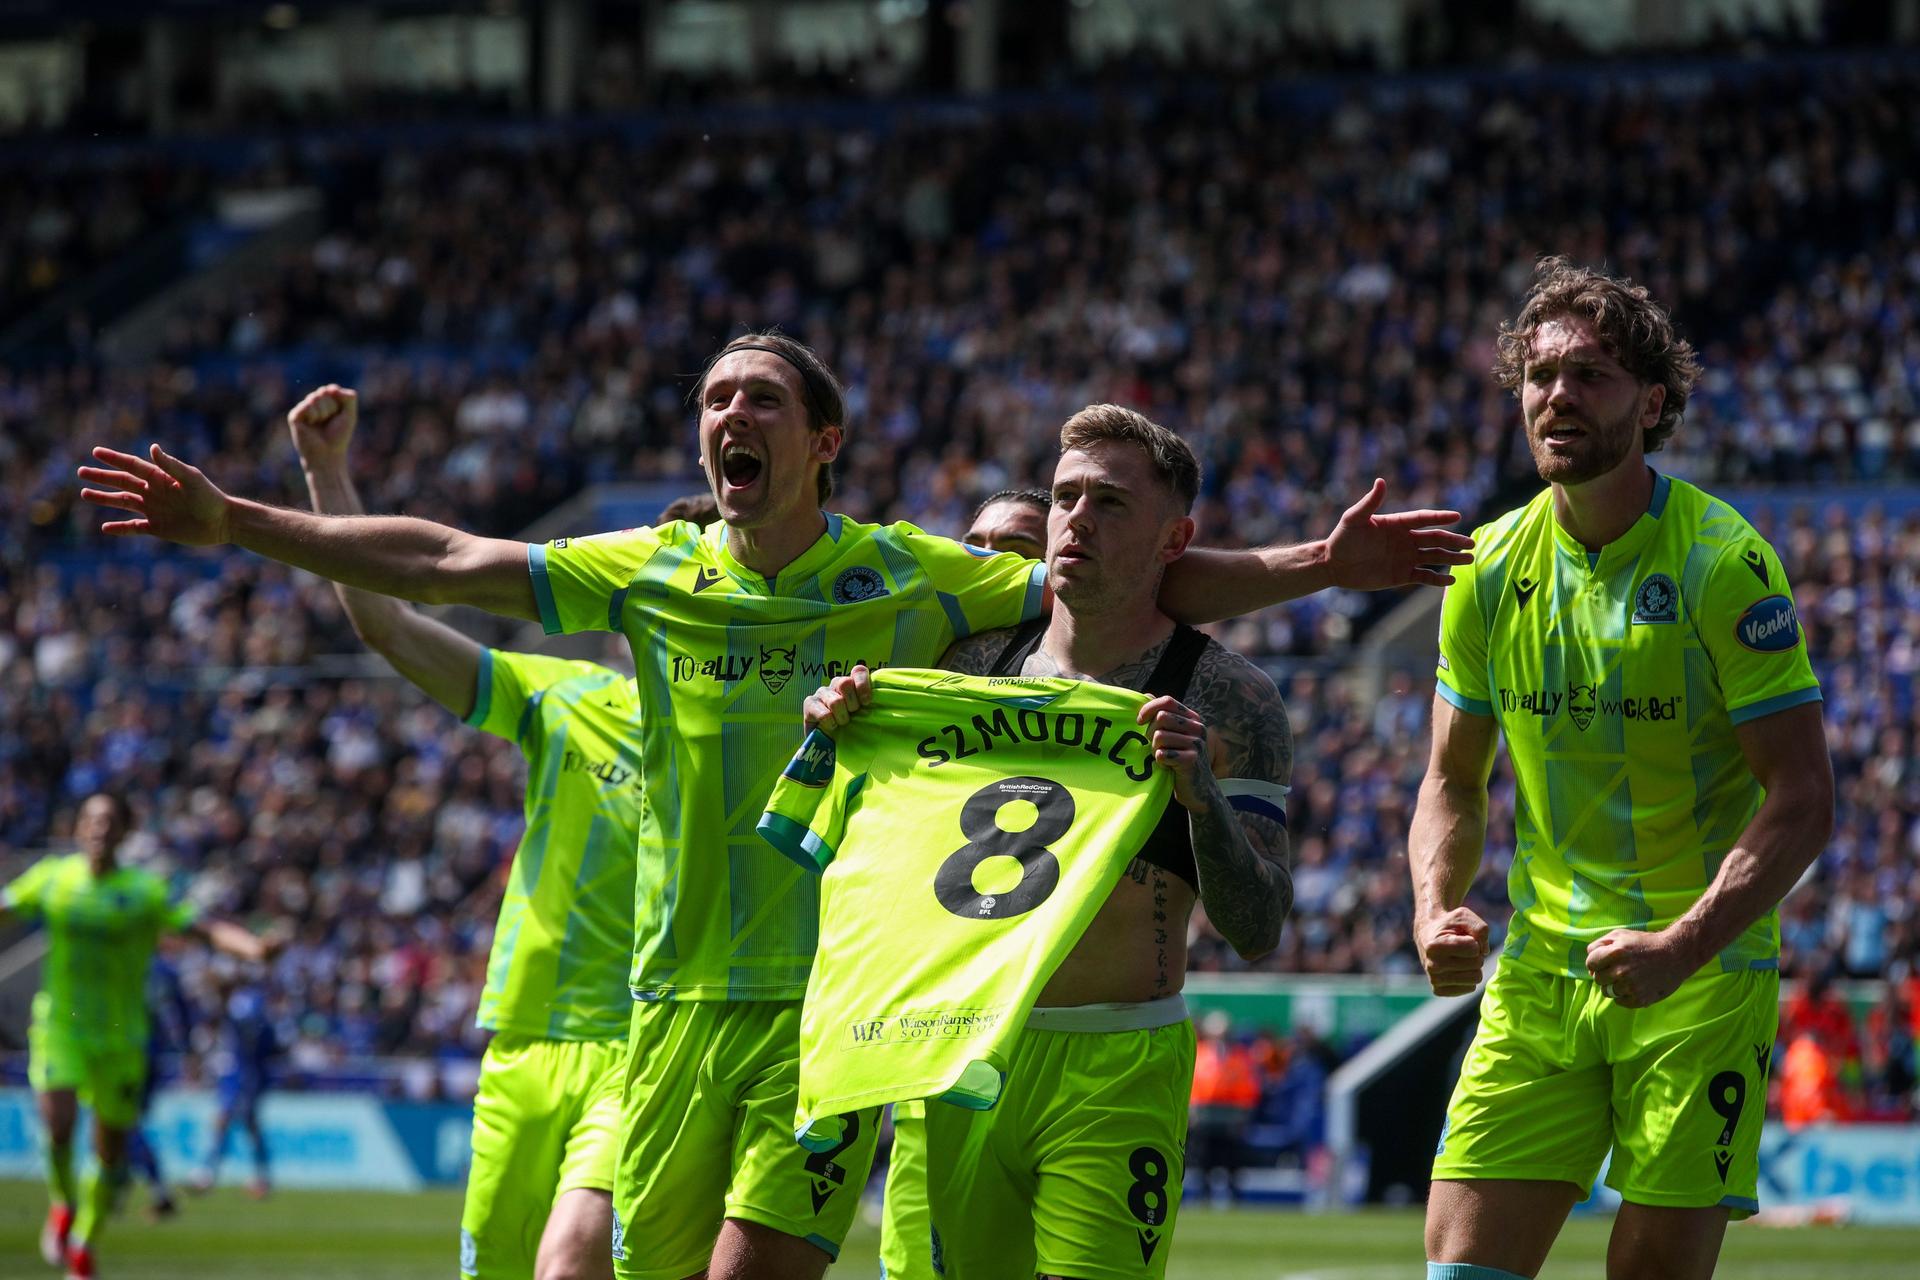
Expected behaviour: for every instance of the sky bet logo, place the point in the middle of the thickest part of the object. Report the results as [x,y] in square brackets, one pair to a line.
[1583,703]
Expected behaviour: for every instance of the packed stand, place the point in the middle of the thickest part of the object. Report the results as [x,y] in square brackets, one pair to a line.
[1310,307]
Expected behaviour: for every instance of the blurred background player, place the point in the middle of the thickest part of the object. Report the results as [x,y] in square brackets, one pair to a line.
[547,1113]
[245,1046]
[169,1036]
[88,1039]
[1634,641]
[1012,520]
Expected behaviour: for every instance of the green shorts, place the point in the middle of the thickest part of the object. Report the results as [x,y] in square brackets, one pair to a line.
[906,1229]
[546,1120]
[106,1077]
[1558,1074]
[707,1133]
[1076,1171]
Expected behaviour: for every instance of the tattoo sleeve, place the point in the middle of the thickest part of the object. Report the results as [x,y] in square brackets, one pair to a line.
[976,655]
[1244,861]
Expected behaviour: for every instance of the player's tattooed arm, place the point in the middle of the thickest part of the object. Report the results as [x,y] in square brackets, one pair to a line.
[976,655]
[1244,860]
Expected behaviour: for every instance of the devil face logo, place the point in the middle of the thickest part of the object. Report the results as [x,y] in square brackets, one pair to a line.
[776,667]
[1581,704]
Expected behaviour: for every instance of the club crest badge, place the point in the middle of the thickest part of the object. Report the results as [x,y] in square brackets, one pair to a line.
[1656,600]
[858,583]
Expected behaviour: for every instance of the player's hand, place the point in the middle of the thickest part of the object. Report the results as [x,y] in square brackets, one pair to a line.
[839,700]
[1368,551]
[162,496]
[1178,738]
[1453,949]
[1636,968]
[322,425]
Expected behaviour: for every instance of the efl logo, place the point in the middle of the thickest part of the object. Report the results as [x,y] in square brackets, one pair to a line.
[1768,626]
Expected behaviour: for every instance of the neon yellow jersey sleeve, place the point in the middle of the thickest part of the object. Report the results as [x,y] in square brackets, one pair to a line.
[1462,674]
[580,584]
[806,816]
[1751,630]
[26,892]
[980,590]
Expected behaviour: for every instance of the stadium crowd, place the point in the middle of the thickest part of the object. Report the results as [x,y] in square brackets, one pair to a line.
[1310,306]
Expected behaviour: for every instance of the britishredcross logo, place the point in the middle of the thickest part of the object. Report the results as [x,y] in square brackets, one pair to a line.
[857,584]
[1769,625]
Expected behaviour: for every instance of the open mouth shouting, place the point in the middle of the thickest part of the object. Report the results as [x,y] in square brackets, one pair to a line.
[741,467]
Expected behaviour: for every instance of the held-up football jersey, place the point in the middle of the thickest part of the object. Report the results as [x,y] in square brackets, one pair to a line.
[565,934]
[725,658]
[969,828]
[100,940]
[1617,679]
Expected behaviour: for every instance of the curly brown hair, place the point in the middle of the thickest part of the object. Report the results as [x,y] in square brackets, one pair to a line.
[1634,329]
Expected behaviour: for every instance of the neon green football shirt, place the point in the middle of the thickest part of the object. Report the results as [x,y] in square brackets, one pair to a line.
[1617,679]
[558,968]
[725,660]
[969,828]
[100,941]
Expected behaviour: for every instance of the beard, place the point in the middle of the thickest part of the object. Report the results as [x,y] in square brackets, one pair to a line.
[1600,448]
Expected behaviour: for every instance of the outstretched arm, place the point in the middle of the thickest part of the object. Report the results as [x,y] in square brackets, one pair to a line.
[393,555]
[442,662]
[235,940]
[1366,551]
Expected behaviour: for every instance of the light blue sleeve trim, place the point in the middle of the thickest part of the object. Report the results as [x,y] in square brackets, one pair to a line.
[794,840]
[1036,592]
[956,616]
[1472,706]
[1740,1202]
[542,589]
[1767,706]
[482,690]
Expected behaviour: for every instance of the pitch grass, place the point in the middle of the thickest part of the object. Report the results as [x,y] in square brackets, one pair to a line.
[311,1235]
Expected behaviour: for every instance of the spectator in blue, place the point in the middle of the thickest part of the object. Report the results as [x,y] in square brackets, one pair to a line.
[247,1045]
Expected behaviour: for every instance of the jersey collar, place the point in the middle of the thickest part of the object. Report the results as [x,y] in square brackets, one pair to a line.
[1628,545]
[809,563]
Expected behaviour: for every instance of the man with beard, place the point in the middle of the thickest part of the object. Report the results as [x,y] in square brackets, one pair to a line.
[1635,642]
